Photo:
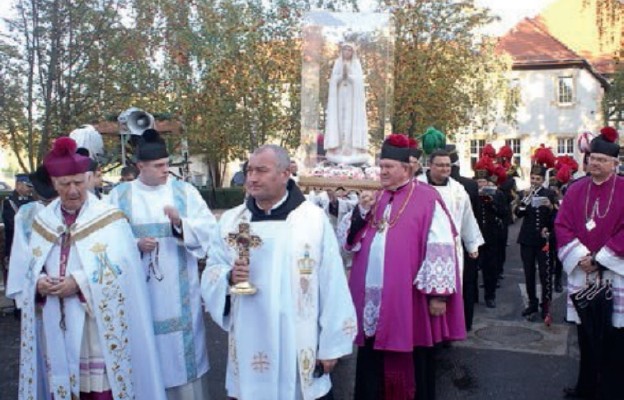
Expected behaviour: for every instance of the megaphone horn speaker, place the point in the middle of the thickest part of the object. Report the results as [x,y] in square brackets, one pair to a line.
[139,121]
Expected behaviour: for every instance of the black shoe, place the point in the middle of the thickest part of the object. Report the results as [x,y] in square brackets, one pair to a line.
[558,287]
[572,393]
[501,277]
[529,310]
[490,303]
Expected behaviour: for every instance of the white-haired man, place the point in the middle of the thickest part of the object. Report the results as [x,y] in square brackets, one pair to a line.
[82,271]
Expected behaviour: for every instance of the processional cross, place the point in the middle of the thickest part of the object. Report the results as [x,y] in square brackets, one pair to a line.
[243,241]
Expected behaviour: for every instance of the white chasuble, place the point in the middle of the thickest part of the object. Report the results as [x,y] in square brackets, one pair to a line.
[302,311]
[18,262]
[18,267]
[112,312]
[173,278]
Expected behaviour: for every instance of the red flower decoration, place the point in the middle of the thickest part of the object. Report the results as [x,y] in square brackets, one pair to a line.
[609,134]
[501,174]
[398,140]
[564,174]
[505,152]
[488,150]
[544,156]
[485,163]
[413,144]
[566,161]
[64,146]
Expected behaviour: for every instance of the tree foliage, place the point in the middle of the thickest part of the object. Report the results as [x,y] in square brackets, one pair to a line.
[610,22]
[446,75]
[229,70]
[613,100]
[68,61]
[609,14]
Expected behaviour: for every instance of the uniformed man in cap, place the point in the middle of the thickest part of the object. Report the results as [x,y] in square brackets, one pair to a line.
[536,207]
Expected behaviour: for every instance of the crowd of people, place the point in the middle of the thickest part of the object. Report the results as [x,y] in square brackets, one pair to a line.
[112,300]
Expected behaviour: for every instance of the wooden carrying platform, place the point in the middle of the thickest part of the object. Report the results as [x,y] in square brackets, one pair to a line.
[316,182]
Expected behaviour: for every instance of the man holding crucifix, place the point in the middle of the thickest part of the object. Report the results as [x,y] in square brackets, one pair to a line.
[293,317]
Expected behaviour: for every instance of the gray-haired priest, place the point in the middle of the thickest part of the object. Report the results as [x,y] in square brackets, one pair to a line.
[83,273]
[287,337]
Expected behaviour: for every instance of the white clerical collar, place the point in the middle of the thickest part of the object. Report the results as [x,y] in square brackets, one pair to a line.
[279,203]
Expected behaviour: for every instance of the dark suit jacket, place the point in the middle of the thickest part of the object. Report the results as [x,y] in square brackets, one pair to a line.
[535,219]
[8,218]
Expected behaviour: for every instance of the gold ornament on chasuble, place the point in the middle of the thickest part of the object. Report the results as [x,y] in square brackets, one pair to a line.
[306,263]
[305,302]
[307,363]
[243,240]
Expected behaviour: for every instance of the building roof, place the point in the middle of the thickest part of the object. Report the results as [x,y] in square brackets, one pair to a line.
[530,43]
[531,46]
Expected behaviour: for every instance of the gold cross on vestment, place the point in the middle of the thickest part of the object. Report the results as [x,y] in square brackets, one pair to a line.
[243,240]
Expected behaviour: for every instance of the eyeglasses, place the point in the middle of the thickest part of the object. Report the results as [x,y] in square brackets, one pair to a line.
[442,165]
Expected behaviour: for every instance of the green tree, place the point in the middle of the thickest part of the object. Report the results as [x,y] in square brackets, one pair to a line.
[613,100]
[231,70]
[445,74]
[610,22]
[73,60]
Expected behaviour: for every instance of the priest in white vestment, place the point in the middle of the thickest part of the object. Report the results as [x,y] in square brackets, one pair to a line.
[286,338]
[44,193]
[83,272]
[336,204]
[457,203]
[171,223]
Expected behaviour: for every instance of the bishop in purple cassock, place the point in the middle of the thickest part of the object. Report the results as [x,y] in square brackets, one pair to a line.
[590,239]
[404,281]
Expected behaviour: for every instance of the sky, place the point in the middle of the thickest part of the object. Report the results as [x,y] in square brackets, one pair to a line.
[510,11]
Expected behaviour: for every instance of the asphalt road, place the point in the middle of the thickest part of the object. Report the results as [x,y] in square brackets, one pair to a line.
[504,358]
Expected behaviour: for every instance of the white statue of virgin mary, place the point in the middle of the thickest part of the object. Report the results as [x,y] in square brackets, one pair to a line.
[346,128]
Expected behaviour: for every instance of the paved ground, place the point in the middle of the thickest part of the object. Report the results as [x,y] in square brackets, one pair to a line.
[504,358]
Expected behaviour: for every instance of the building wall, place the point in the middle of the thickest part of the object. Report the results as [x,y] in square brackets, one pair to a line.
[541,119]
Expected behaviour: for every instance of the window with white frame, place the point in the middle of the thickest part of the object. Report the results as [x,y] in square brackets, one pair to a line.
[515,147]
[565,90]
[565,146]
[476,145]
